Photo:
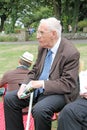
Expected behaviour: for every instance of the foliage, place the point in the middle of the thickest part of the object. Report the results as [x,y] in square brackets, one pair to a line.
[36,16]
[8,38]
[8,28]
[32,37]
[82,24]
[11,9]
[65,24]
[31,11]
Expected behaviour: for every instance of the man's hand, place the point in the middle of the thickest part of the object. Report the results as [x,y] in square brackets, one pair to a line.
[21,90]
[24,90]
[37,83]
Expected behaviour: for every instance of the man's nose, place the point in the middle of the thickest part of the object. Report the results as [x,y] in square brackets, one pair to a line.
[38,35]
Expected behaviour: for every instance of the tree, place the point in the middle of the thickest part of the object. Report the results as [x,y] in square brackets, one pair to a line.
[4,13]
[9,9]
[31,11]
[57,8]
[36,16]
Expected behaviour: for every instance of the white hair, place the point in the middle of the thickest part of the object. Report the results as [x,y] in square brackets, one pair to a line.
[53,24]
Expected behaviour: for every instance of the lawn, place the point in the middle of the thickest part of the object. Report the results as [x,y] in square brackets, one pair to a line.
[83,53]
[9,54]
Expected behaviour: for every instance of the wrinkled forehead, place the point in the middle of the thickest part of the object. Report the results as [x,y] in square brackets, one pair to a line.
[42,27]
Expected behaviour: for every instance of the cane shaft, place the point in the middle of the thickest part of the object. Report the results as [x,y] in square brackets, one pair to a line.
[29,111]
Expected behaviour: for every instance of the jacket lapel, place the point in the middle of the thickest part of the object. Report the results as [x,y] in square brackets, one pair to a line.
[42,59]
[58,57]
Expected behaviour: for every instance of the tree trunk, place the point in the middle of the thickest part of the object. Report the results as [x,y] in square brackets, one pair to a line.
[75,15]
[57,8]
[3,19]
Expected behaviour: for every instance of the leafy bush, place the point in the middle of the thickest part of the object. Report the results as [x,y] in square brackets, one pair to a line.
[17,30]
[8,39]
[32,37]
[82,24]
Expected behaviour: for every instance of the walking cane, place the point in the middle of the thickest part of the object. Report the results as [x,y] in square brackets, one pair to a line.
[29,111]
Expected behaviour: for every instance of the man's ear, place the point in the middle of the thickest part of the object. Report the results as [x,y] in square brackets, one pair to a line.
[54,33]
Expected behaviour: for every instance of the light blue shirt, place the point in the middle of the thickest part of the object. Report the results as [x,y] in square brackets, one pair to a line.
[54,51]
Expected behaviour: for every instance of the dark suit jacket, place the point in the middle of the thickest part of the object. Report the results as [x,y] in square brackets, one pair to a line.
[64,71]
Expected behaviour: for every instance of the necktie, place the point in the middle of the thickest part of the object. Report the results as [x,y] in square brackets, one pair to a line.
[46,69]
[47,65]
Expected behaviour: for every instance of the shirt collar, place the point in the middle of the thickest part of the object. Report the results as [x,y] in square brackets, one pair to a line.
[56,46]
[22,66]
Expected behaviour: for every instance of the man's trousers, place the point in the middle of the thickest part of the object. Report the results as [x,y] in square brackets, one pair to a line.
[42,110]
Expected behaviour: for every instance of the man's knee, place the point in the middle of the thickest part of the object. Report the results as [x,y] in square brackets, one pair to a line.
[37,110]
[8,98]
[66,111]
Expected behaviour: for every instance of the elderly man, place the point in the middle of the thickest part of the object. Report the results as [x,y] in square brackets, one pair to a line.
[53,77]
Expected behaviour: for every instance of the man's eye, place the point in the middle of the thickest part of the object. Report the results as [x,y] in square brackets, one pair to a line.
[40,32]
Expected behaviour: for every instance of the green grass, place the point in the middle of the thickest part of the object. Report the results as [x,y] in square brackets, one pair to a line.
[9,54]
[83,53]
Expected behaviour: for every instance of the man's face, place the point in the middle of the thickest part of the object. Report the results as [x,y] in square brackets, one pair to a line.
[44,36]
